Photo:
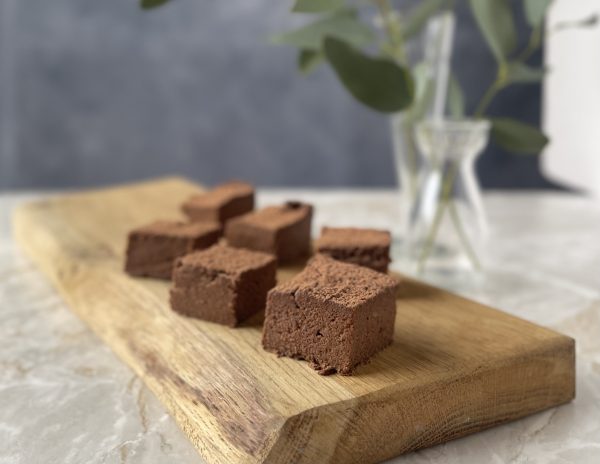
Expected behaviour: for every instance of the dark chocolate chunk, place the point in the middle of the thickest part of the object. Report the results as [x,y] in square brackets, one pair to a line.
[333,314]
[222,284]
[365,247]
[152,249]
[281,230]
[221,203]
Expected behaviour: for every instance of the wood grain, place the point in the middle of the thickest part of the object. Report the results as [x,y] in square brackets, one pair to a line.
[455,366]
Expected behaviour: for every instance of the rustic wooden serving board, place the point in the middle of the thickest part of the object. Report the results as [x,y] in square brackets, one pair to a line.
[455,367]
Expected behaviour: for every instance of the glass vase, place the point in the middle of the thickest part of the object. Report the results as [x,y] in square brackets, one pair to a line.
[428,56]
[447,226]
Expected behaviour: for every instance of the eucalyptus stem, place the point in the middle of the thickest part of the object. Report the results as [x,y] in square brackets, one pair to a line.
[447,186]
[392,29]
[487,98]
[463,236]
[411,158]
[492,91]
[396,42]
[535,40]
[447,202]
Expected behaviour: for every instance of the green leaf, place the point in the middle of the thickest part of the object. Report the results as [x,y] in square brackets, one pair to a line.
[343,25]
[149,4]
[590,21]
[316,6]
[419,16]
[518,137]
[535,10]
[456,98]
[522,73]
[495,20]
[379,83]
[309,60]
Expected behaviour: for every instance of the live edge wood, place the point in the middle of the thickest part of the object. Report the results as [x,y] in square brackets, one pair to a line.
[455,366]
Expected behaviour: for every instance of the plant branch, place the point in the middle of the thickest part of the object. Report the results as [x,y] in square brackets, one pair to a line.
[392,29]
[444,199]
[488,96]
[411,159]
[462,235]
[535,40]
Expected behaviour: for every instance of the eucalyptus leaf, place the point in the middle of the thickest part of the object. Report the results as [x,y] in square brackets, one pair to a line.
[518,137]
[496,22]
[316,6]
[522,73]
[417,18]
[589,21]
[150,4]
[309,60]
[378,83]
[455,98]
[343,24]
[535,10]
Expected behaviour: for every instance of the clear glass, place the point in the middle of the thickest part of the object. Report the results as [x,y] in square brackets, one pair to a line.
[428,55]
[447,226]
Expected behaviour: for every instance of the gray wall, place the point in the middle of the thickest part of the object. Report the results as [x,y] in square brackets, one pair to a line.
[95,92]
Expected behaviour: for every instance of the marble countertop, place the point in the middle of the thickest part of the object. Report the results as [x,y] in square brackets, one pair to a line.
[65,398]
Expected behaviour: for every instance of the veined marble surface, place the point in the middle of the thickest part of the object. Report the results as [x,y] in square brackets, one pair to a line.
[65,398]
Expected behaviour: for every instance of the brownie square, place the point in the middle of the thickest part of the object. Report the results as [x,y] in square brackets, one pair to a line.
[365,247]
[221,203]
[222,284]
[152,249]
[333,314]
[281,230]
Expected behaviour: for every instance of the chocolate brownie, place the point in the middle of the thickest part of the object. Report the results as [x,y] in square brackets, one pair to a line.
[221,203]
[152,249]
[333,314]
[222,284]
[365,247]
[282,230]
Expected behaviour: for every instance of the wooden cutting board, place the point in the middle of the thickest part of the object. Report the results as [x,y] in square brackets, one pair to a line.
[455,367]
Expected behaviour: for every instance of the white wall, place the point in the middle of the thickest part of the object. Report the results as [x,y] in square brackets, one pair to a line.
[571,109]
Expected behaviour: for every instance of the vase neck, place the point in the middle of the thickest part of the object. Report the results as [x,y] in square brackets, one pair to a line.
[453,141]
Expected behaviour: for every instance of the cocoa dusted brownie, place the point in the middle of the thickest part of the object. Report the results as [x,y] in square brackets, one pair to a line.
[221,203]
[152,249]
[365,247]
[281,230]
[333,314]
[222,284]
